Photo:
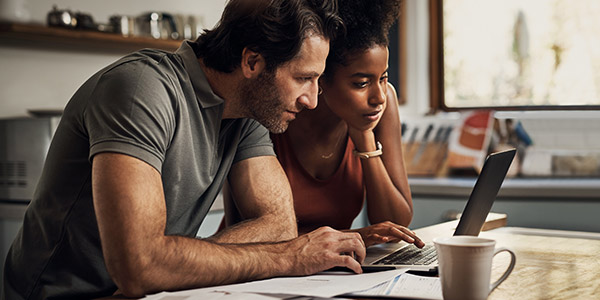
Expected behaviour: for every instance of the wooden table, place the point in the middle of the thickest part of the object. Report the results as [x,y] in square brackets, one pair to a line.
[547,267]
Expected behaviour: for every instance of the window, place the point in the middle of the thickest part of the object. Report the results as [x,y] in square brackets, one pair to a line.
[514,54]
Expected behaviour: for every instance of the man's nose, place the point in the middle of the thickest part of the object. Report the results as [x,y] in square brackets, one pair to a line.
[310,99]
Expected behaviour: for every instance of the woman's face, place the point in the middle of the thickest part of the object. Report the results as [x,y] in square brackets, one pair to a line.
[356,92]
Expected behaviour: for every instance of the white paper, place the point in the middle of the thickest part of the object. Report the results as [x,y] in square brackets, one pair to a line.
[316,285]
[207,294]
[407,286]
[322,285]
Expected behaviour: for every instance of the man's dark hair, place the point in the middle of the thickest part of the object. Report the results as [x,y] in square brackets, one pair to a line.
[367,24]
[273,28]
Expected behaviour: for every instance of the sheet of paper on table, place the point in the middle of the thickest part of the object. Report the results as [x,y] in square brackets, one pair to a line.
[208,295]
[321,285]
[406,286]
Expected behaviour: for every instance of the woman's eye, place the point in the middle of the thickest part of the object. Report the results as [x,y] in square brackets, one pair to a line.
[383,78]
[361,84]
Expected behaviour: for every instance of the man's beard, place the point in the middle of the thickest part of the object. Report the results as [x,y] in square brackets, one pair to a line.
[263,101]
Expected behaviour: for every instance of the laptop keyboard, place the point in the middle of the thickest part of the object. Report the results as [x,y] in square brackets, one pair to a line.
[410,255]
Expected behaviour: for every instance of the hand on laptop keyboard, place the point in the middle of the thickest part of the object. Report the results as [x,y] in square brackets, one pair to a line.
[385,232]
[325,248]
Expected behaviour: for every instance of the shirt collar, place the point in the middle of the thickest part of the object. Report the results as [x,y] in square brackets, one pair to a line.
[204,93]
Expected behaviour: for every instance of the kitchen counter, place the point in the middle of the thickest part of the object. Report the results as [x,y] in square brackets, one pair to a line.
[547,188]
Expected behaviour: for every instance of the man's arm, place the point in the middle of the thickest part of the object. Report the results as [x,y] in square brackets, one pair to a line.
[263,198]
[131,215]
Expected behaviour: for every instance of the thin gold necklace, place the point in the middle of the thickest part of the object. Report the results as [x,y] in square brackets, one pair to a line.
[328,156]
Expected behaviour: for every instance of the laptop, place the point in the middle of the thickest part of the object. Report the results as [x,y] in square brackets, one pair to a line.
[403,255]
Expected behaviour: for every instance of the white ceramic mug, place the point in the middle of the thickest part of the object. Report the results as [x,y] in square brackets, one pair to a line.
[465,266]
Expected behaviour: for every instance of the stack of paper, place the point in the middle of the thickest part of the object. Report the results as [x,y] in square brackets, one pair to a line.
[389,283]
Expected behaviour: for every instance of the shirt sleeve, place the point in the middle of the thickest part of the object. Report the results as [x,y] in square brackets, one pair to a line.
[255,141]
[131,111]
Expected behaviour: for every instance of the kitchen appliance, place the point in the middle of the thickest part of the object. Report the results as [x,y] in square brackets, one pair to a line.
[157,25]
[68,19]
[188,26]
[61,18]
[122,24]
[24,143]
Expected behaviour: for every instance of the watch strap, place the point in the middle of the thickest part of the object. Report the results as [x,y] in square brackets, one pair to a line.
[369,154]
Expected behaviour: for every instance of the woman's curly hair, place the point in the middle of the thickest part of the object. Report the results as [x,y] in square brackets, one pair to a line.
[367,24]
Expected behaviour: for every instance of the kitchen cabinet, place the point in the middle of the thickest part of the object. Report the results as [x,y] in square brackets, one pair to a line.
[551,203]
[80,39]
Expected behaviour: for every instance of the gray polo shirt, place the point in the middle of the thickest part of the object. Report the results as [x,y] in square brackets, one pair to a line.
[152,105]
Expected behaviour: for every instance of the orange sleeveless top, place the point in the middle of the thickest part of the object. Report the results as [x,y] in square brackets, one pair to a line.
[334,202]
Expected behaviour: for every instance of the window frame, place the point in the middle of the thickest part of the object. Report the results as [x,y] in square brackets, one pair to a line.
[436,71]
[398,56]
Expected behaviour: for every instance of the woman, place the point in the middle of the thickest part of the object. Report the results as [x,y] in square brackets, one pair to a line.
[349,147]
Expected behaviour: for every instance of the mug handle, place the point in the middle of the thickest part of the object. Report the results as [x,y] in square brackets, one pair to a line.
[513,259]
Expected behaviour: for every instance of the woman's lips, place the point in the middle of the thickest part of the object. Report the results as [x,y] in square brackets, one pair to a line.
[373,116]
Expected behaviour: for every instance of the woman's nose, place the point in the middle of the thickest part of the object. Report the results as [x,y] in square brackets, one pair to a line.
[378,95]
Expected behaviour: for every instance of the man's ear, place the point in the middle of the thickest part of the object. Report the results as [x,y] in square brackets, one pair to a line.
[253,63]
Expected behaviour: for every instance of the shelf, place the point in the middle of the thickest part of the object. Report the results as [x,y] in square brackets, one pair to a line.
[73,37]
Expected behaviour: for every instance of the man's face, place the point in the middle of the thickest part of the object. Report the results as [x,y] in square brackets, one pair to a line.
[274,98]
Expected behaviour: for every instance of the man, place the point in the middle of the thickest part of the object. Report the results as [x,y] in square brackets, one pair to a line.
[144,147]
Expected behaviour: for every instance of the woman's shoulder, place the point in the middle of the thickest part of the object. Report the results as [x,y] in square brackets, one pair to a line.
[391,94]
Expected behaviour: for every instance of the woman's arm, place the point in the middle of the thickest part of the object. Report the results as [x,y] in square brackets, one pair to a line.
[387,189]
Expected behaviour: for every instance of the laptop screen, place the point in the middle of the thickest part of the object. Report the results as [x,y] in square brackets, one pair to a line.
[484,193]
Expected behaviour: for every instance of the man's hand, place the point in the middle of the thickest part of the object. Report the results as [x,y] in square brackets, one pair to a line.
[326,248]
[385,232]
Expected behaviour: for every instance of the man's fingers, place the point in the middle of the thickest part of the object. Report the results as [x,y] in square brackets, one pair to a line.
[350,263]
[353,243]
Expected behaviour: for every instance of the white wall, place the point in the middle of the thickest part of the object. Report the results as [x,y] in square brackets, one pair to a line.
[417,71]
[36,78]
